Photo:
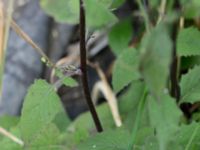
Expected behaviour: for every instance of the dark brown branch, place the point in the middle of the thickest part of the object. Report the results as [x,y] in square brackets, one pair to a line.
[84,76]
[175,89]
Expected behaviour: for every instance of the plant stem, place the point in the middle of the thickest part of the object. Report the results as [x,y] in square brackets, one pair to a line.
[84,76]
[145,15]
[138,118]
[175,89]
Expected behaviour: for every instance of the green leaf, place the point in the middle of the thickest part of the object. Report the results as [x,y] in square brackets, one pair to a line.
[67,11]
[190,86]
[189,62]
[62,10]
[8,144]
[191,9]
[188,136]
[117,3]
[97,15]
[8,121]
[48,139]
[156,52]
[41,106]
[164,117]
[120,36]
[125,69]
[67,81]
[108,140]
[188,42]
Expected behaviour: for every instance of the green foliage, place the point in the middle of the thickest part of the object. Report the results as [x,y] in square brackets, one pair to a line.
[164,117]
[156,49]
[120,36]
[190,86]
[140,77]
[34,119]
[97,13]
[125,69]
[188,42]
[109,140]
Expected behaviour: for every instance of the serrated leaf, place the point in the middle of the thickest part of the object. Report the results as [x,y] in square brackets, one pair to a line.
[164,117]
[125,69]
[188,42]
[120,36]
[155,61]
[108,140]
[41,106]
[67,11]
[190,86]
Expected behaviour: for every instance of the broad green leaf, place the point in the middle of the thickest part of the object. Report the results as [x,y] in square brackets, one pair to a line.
[41,106]
[190,86]
[188,136]
[108,140]
[120,36]
[125,69]
[48,139]
[188,42]
[97,15]
[8,121]
[155,61]
[62,10]
[164,117]
[67,11]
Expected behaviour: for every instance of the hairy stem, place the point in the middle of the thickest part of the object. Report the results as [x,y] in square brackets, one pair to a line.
[84,77]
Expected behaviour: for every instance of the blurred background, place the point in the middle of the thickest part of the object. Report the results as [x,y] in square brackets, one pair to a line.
[61,44]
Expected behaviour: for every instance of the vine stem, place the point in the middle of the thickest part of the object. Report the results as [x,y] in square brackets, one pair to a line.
[138,118]
[84,76]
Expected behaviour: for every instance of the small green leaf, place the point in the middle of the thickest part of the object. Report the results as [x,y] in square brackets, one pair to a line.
[125,69]
[108,140]
[155,61]
[164,117]
[120,36]
[41,106]
[191,9]
[190,86]
[188,42]
[67,81]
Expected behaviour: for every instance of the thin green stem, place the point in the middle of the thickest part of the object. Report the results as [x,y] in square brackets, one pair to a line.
[138,118]
[145,15]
